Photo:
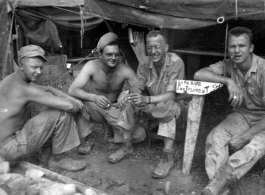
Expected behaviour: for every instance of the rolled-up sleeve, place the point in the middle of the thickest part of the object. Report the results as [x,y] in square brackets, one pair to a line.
[219,68]
[176,72]
[263,88]
[140,80]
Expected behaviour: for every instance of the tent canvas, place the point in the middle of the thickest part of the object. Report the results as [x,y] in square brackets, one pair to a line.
[44,3]
[5,39]
[175,14]
[39,21]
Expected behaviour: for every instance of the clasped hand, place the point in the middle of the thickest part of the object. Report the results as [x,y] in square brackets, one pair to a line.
[138,99]
[103,102]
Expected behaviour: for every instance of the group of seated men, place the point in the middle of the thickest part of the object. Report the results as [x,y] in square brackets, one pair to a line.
[99,96]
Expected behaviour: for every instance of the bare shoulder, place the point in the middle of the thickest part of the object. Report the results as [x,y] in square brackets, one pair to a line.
[32,90]
[125,69]
[91,66]
[12,86]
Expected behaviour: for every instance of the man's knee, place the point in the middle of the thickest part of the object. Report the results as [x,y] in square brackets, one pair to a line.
[217,136]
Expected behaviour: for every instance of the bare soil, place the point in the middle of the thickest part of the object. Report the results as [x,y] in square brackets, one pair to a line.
[132,176]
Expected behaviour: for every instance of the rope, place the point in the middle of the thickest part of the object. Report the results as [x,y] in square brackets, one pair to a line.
[9,41]
[226,37]
[82,31]
[93,51]
[66,10]
[220,19]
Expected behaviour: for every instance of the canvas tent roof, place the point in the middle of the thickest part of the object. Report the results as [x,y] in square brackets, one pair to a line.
[66,13]
[43,3]
[175,14]
[40,19]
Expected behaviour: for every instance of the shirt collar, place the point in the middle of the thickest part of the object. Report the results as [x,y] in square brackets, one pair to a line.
[253,67]
[167,61]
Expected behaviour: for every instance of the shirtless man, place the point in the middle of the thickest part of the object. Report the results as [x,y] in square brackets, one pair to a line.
[19,138]
[99,86]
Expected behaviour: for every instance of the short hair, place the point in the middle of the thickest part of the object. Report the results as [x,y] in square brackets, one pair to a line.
[111,43]
[237,31]
[155,33]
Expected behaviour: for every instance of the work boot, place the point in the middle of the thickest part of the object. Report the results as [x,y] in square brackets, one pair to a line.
[165,165]
[66,164]
[218,185]
[86,147]
[120,154]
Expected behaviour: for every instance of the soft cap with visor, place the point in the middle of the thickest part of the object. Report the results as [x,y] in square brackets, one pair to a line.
[31,51]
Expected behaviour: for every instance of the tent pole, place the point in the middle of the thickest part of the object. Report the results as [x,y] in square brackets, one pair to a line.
[226,34]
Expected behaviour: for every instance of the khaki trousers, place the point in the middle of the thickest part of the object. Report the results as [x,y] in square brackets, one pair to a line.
[217,145]
[58,124]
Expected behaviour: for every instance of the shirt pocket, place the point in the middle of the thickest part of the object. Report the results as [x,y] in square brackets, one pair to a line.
[253,90]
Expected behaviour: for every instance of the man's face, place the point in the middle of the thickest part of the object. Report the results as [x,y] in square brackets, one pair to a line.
[110,55]
[239,48]
[32,68]
[156,47]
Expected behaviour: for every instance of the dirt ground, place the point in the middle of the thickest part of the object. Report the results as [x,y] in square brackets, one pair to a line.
[132,176]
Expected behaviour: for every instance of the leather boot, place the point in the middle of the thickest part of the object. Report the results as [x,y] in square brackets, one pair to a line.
[165,164]
[218,185]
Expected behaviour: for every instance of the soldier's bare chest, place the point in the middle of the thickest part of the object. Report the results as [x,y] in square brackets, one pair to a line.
[108,81]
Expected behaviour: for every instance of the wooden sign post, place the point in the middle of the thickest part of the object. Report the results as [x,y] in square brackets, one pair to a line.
[198,89]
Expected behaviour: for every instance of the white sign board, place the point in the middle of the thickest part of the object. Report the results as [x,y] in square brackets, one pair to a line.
[196,87]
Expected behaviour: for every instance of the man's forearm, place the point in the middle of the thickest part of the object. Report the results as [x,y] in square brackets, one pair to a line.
[182,96]
[209,76]
[57,92]
[168,96]
[81,94]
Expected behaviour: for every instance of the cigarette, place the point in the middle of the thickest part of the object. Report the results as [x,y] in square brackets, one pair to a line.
[108,105]
[3,110]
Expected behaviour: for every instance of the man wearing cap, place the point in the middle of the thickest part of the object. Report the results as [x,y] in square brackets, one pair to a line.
[19,138]
[99,85]
[158,73]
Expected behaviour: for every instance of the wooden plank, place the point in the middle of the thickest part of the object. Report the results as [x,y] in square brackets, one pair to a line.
[139,47]
[199,52]
[193,125]
[59,178]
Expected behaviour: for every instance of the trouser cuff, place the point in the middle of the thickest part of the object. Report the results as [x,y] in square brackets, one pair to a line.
[171,151]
